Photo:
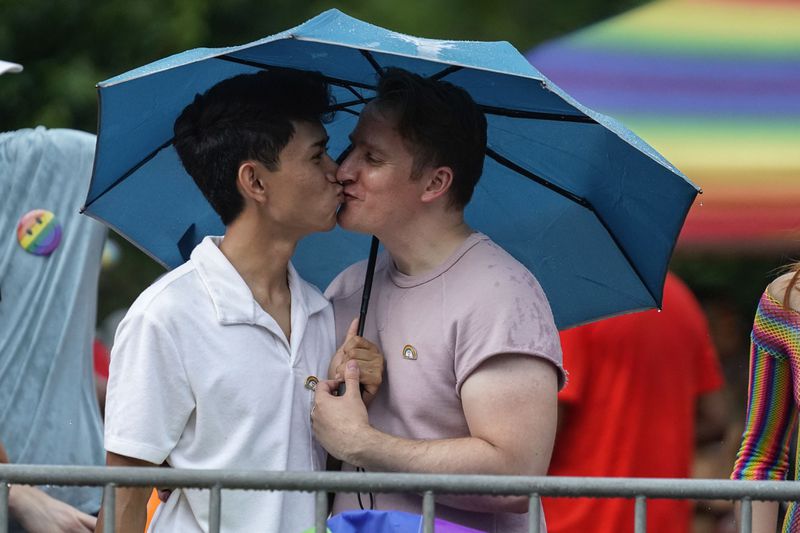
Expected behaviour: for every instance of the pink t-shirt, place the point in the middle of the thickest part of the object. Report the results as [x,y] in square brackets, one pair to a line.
[434,330]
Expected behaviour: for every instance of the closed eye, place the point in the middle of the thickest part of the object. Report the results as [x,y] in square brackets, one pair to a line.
[318,156]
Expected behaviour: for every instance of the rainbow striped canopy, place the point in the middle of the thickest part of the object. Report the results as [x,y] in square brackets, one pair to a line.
[713,85]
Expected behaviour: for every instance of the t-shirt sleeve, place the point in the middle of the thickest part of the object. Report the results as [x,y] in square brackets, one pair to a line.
[149,398]
[508,315]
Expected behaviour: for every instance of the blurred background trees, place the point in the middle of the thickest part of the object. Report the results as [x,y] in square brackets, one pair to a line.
[67,46]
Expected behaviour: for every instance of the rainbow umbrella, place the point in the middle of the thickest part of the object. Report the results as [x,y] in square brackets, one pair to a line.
[714,85]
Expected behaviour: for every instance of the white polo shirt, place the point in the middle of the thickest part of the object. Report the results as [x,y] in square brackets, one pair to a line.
[202,377]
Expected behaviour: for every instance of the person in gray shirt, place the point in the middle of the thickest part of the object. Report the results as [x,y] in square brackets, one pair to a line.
[49,269]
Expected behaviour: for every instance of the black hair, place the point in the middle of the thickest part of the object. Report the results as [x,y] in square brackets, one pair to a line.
[245,117]
[442,125]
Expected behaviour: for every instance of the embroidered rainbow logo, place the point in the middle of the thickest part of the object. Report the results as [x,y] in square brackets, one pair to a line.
[39,232]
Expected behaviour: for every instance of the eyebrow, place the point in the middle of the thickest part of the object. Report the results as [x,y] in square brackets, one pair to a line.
[369,145]
[322,143]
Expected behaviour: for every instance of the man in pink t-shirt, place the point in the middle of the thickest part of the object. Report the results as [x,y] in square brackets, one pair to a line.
[473,361]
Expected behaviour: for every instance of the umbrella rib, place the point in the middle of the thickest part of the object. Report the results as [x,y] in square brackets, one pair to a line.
[446,72]
[583,202]
[125,176]
[355,93]
[333,81]
[538,179]
[517,113]
[373,62]
[491,110]
[343,105]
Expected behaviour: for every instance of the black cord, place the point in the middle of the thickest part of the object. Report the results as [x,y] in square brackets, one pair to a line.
[371,496]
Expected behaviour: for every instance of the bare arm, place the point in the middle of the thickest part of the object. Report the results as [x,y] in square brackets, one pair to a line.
[130,511]
[712,417]
[38,512]
[765,516]
[510,406]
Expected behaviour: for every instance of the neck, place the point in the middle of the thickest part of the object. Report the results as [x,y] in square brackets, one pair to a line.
[427,243]
[259,255]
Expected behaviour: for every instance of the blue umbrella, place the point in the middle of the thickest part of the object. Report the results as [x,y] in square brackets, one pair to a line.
[586,205]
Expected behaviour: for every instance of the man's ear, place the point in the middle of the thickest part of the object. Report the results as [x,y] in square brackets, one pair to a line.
[250,180]
[439,180]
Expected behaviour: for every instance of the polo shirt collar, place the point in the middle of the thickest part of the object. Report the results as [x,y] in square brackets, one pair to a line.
[232,298]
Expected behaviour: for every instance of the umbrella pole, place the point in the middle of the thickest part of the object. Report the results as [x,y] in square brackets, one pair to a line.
[362,315]
[373,255]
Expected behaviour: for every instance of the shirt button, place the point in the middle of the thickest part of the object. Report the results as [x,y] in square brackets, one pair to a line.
[311,383]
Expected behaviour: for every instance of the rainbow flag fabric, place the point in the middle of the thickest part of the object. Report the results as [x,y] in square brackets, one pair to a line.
[714,85]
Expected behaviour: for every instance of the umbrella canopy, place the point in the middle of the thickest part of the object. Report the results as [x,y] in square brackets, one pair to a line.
[714,85]
[586,205]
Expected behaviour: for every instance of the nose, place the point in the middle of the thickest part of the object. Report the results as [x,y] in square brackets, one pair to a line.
[331,170]
[346,173]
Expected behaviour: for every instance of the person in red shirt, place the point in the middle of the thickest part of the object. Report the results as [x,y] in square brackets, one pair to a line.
[643,389]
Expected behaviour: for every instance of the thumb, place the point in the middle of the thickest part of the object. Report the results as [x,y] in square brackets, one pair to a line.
[351,378]
[352,330]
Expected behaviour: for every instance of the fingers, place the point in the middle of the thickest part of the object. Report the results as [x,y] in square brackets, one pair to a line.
[326,387]
[352,330]
[351,378]
[356,348]
[338,359]
[371,370]
[87,521]
[356,343]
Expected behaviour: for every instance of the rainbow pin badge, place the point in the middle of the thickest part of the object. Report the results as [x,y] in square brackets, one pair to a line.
[409,352]
[39,232]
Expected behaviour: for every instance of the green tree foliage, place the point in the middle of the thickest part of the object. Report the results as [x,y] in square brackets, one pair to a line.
[67,46]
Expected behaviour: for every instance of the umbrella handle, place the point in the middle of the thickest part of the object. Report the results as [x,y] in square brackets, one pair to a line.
[362,315]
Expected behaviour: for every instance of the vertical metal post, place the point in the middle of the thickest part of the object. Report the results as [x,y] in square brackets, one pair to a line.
[640,515]
[427,512]
[4,488]
[214,509]
[321,512]
[534,513]
[746,516]
[109,507]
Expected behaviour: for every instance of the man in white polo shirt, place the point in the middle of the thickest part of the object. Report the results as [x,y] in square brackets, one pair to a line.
[209,366]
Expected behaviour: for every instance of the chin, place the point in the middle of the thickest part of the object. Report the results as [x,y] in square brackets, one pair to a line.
[346,221]
[330,225]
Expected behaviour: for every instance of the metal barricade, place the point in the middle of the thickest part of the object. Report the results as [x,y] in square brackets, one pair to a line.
[639,489]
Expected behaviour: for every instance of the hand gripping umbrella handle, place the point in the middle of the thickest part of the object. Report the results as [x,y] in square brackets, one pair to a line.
[362,315]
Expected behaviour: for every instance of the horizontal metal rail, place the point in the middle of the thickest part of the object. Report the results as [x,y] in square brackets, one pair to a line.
[320,483]
[595,487]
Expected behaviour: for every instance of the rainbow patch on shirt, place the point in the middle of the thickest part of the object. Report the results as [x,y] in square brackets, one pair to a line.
[39,232]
